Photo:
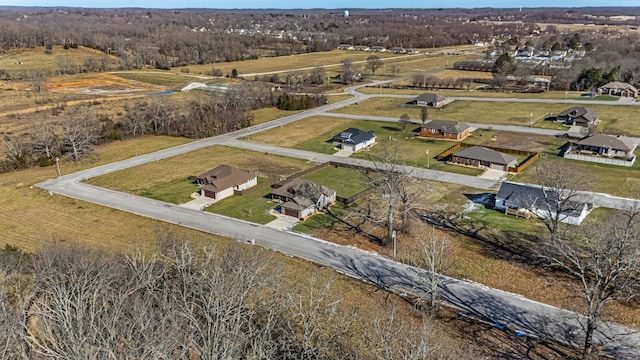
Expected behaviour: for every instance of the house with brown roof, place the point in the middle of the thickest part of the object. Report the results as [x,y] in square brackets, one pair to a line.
[303,198]
[430,99]
[601,148]
[579,116]
[618,88]
[484,158]
[223,181]
[445,129]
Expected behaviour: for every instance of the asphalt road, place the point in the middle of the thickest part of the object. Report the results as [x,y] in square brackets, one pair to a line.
[502,309]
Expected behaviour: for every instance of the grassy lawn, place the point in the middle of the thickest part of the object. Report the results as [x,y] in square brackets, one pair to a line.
[168,79]
[156,174]
[345,181]
[615,119]
[610,179]
[323,220]
[176,191]
[254,206]
[267,114]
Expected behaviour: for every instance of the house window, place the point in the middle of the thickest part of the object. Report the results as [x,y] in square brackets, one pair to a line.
[433,131]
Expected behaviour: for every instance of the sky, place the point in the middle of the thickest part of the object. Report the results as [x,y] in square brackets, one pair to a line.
[327,4]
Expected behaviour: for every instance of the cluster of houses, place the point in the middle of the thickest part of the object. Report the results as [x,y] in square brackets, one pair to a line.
[298,198]
[541,56]
[394,50]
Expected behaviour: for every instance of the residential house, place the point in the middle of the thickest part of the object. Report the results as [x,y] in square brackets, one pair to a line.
[345,47]
[482,157]
[397,50]
[361,48]
[378,49]
[578,116]
[302,198]
[430,99]
[223,180]
[354,139]
[618,88]
[601,145]
[445,129]
[527,200]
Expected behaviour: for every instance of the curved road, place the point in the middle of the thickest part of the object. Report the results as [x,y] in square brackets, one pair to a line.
[501,309]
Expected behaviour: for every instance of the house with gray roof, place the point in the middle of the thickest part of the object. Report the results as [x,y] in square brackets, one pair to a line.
[303,198]
[578,116]
[606,149]
[430,99]
[354,139]
[531,200]
[482,157]
[445,129]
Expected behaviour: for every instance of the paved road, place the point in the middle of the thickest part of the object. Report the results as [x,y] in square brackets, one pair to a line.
[511,310]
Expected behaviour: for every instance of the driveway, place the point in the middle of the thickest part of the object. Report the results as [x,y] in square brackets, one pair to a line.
[493,174]
[282,222]
[198,203]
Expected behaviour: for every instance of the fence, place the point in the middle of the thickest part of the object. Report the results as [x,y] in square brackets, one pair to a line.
[531,156]
[601,160]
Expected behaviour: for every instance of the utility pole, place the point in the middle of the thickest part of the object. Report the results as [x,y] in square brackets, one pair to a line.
[58,166]
[428,159]
[393,236]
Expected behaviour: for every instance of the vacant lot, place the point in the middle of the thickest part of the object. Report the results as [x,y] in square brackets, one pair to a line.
[615,119]
[345,181]
[165,79]
[25,60]
[141,178]
[253,206]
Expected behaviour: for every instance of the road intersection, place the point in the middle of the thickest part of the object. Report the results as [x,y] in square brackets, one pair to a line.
[511,311]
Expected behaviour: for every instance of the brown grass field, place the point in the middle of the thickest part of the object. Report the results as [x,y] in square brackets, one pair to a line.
[23,60]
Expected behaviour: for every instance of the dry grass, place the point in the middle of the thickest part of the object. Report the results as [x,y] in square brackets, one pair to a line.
[140,178]
[295,133]
[24,60]
[463,74]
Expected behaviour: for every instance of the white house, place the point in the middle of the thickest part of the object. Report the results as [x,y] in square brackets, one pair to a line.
[223,181]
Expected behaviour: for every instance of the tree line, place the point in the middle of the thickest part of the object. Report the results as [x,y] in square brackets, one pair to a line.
[185,302]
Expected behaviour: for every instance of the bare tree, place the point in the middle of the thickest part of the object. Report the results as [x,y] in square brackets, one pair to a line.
[44,142]
[404,120]
[78,134]
[424,115]
[348,74]
[604,264]
[16,152]
[374,63]
[561,191]
[318,75]
[389,177]
[395,68]
[433,255]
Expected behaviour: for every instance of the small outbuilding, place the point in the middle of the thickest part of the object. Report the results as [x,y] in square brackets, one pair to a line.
[482,157]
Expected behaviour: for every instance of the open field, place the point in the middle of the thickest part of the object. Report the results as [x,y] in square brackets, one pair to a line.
[24,60]
[282,63]
[160,78]
[140,178]
[615,119]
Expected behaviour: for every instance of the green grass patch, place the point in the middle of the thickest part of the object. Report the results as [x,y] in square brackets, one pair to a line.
[175,191]
[253,206]
[345,181]
[490,219]
[323,220]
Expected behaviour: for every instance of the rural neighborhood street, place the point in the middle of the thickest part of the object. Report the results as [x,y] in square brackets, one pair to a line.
[498,307]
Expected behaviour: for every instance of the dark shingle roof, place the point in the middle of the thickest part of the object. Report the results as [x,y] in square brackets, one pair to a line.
[579,112]
[447,126]
[429,98]
[353,136]
[527,196]
[484,154]
[611,142]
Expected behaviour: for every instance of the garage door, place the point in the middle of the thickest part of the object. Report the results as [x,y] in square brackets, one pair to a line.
[290,212]
[497,167]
